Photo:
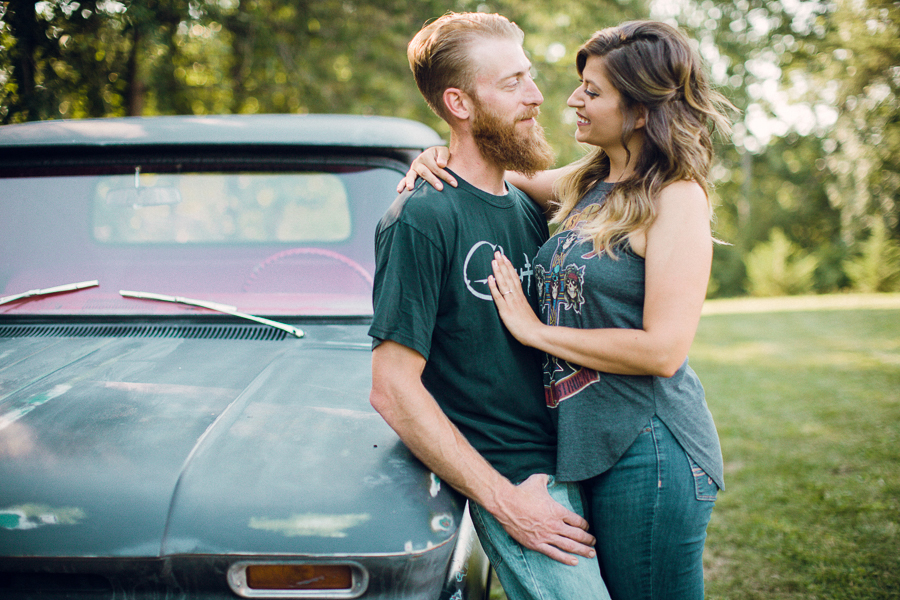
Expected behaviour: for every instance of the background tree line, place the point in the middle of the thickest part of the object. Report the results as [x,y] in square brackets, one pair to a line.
[807,186]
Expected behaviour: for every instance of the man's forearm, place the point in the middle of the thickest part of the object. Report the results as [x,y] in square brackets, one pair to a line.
[412,412]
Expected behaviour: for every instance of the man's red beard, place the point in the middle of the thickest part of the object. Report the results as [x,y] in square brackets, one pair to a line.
[503,144]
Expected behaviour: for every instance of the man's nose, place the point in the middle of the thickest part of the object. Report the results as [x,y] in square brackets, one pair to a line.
[533,94]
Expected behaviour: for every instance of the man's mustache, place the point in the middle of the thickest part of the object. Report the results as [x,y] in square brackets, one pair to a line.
[531,114]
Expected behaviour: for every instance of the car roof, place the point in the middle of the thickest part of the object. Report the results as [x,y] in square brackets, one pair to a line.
[355,131]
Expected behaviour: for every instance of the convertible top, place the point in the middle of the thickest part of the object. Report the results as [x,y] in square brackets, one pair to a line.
[354,131]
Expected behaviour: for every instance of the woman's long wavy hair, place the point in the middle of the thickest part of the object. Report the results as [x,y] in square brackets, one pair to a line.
[659,76]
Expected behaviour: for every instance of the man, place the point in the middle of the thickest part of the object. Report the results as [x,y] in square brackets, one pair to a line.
[459,390]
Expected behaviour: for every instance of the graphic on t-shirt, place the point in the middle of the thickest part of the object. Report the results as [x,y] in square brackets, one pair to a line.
[562,380]
[577,217]
[561,289]
[477,269]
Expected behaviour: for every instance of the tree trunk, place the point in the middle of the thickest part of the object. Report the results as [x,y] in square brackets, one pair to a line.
[23,25]
[134,93]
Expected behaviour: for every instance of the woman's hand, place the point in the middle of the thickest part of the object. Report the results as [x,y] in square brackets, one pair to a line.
[429,166]
[513,306]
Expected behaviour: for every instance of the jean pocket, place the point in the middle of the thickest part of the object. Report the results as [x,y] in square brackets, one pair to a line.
[704,486]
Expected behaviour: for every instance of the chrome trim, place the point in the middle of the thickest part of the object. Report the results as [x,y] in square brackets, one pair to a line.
[237,581]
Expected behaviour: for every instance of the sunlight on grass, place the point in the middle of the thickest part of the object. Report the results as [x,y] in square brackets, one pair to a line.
[807,401]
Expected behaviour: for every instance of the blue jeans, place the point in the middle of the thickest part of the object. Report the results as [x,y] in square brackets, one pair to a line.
[529,575]
[649,513]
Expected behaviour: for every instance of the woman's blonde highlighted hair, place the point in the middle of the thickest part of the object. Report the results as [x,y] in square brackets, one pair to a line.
[660,77]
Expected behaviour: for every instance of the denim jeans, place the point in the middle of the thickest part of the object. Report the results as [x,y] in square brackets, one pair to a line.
[649,513]
[529,575]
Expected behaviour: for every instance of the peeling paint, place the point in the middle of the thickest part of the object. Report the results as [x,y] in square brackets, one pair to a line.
[315,525]
[169,389]
[347,413]
[442,522]
[435,485]
[32,516]
[377,480]
[409,547]
[14,415]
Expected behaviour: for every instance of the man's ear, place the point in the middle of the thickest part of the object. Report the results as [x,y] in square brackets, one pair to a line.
[458,103]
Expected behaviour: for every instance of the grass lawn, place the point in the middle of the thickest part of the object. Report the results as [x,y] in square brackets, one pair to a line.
[806,397]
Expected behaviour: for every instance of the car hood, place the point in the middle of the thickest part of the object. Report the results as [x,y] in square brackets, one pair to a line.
[143,447]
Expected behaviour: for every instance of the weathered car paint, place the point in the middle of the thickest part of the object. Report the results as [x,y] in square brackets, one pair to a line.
[188,439]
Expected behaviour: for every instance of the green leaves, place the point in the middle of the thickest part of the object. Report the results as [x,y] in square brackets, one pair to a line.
[816,151]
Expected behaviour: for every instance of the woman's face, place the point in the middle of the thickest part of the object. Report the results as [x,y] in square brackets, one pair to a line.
[597,105]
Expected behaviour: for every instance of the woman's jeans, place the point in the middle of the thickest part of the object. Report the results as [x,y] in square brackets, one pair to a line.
[649,513]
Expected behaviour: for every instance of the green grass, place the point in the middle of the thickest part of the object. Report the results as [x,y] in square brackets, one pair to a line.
[806,398]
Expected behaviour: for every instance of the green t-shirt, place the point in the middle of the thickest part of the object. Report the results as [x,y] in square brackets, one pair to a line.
[433,257]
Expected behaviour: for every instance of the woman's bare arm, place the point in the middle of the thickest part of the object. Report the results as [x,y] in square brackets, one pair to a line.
[431,165]
[678,258]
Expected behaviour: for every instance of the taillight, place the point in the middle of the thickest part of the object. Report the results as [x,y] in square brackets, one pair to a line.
[297,580]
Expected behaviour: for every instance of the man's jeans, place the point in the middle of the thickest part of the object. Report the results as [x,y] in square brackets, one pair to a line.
[529,575]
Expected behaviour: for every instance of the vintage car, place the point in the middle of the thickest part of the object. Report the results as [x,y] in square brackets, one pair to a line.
[185,367]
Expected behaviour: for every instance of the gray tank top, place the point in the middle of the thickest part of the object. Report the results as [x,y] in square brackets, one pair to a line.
[599,415]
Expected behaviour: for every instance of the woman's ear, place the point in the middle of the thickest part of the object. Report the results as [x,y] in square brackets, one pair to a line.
[458,103]
[641,116]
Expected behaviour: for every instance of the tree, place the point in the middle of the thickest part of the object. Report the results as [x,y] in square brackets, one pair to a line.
[863,38]
[243,56]
[815,148]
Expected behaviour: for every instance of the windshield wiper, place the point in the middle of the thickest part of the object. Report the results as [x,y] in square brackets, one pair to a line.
[222,308]
[69,287]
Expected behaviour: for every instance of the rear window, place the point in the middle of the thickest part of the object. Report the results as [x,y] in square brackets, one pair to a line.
[201,208]
[288,240]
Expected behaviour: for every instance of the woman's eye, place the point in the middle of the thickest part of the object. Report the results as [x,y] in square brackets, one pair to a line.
[590,94]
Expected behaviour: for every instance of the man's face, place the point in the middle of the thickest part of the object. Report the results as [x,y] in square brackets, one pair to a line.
[507,102]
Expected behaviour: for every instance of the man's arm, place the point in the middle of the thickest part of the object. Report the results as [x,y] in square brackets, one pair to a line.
[527,511]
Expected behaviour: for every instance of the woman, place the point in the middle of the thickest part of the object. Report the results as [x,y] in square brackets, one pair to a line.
[621,286]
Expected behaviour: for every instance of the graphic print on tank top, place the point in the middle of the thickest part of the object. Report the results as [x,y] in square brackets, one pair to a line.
[561,289]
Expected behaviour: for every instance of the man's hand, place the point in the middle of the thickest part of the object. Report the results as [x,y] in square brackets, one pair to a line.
[540,523]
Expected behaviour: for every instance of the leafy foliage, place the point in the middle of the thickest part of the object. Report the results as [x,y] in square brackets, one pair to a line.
[779,268]
[816,148]
[877,268]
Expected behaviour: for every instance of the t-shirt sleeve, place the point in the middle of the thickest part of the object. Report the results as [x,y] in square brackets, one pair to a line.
[408,279]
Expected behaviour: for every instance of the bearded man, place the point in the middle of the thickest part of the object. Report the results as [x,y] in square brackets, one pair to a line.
[459,390]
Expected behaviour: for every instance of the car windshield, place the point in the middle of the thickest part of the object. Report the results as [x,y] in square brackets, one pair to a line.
[271,242]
